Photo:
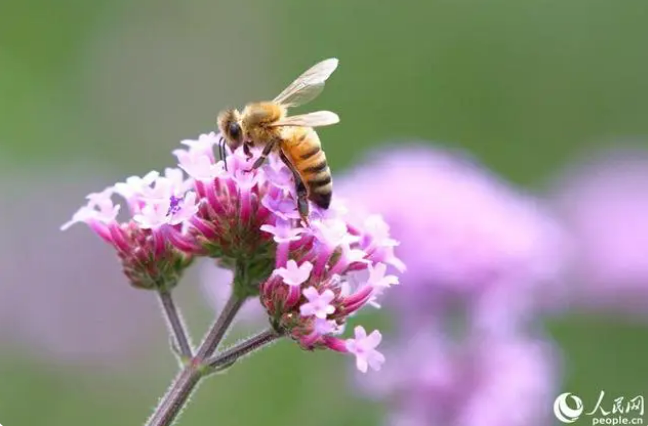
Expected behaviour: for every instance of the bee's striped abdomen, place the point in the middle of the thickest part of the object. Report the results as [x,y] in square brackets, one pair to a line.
[310,161]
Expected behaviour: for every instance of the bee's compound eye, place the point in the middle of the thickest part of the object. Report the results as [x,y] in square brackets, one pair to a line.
[235,131]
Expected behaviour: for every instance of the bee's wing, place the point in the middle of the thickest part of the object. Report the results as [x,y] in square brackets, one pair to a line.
[308,85]
[313,119]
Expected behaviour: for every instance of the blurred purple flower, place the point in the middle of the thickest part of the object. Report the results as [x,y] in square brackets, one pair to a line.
[464,235]
[604,200]
[476,383]
[62,298]
[481,259]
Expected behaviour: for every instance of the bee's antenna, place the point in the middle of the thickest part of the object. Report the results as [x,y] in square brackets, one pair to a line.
[222,151]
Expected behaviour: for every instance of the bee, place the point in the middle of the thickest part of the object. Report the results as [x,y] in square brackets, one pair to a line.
[268,125]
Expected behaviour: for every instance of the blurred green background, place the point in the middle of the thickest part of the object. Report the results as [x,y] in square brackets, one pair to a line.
[92,91]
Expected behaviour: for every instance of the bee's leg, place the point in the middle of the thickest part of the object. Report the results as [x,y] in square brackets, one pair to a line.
[302,192]
[246,150]
[302,200]
[222,152]
[266,151]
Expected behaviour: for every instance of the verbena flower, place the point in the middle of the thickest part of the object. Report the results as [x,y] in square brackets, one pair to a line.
[481,256]
[311,295]
[604,200]
[309,278]
[149,259]
[465,235]
[476,383]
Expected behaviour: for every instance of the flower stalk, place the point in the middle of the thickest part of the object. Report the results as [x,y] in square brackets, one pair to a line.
[246,347]
[176,398]
[218,330]
[176,325]
[186,381]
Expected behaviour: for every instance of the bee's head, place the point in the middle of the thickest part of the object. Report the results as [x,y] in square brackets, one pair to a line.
[229,123]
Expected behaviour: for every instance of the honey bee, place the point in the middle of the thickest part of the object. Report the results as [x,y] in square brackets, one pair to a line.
[293,138]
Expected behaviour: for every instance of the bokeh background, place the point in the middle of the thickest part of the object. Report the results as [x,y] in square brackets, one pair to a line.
[91,92]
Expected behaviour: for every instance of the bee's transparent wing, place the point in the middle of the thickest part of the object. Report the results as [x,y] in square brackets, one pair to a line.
[308,85]
[313,119]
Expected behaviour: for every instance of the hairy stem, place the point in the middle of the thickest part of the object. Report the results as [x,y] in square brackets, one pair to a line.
[217,331]
[186,381]
[246,347]
[176,325]
[176,397]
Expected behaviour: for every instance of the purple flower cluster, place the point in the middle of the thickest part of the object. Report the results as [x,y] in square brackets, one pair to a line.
[464,235]
[477,382]
[482,261]
[604,201]
[310,279]
[148,259]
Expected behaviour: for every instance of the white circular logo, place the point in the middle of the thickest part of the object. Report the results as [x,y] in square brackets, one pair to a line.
[564,412]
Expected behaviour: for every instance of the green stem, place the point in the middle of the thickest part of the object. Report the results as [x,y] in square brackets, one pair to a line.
[176,397]
[220,327]
[246,347]
[186,381]
[176,325]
